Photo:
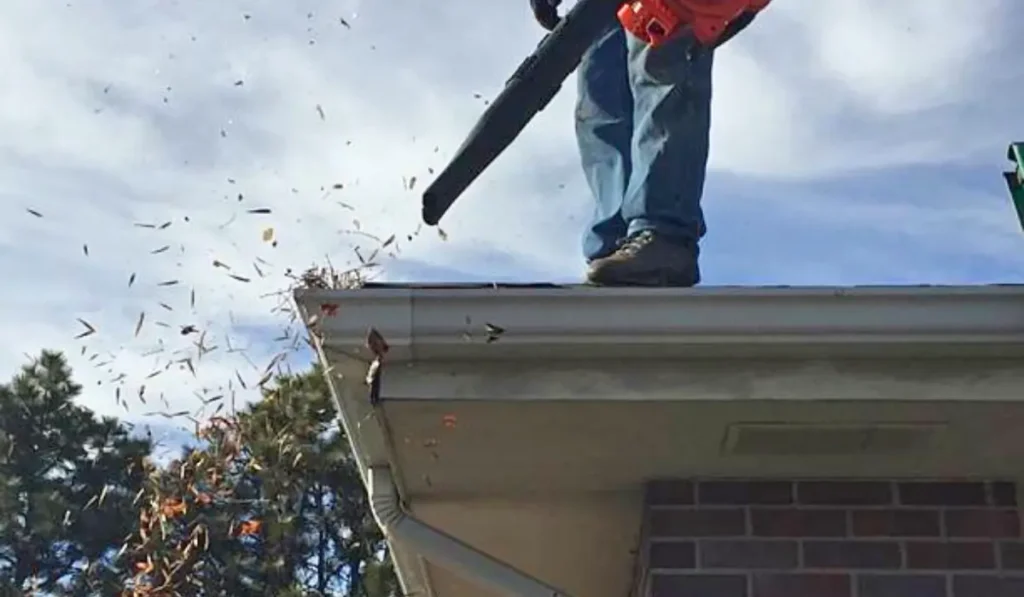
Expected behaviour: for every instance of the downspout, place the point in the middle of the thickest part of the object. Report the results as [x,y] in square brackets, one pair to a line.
[443,549]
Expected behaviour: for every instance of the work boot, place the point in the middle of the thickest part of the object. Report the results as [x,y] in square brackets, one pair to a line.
[647,259]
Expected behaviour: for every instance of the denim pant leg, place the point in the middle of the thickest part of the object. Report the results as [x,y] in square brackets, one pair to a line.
[604,131]
[671,90]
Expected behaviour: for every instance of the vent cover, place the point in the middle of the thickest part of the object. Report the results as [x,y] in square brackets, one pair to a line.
[828,439]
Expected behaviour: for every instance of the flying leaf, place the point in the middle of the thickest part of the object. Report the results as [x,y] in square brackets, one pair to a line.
[103,495]
[89,329]
[138,324]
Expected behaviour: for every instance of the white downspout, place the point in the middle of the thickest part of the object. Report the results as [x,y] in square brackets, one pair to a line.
[441,548]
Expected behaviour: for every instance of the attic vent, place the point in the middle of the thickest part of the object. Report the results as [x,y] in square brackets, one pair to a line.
[828,439]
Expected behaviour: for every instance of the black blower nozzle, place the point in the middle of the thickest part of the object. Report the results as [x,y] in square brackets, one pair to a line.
[533,85]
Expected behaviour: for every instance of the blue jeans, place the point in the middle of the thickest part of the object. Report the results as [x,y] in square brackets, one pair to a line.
[642,123]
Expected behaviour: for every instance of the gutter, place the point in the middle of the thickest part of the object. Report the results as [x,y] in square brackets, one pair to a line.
[581,322]
[443,549]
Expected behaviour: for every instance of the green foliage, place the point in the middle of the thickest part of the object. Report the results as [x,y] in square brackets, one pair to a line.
[67,480]
[322,524]
[271,503]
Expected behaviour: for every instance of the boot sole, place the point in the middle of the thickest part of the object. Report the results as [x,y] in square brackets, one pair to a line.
[661,280]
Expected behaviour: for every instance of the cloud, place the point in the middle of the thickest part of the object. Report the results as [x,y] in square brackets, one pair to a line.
[820,88]
[853,142]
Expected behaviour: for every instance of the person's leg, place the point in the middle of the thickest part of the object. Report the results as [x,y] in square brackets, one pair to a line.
[671,90]
[604,132]
[672,94]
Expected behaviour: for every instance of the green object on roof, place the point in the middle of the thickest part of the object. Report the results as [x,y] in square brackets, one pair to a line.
[1015,178]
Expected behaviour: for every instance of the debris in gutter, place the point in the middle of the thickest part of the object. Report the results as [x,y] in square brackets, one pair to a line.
[376,343]
[379,347]
[493,332]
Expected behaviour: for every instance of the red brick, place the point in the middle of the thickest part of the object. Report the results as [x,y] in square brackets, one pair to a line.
[791,522]
[844,493]
[802,585]
[931,493]
[938,555]
[689,522]
[1004,494]
[987,586]
[750,555]
[1012,556]
[698,585]
[670,492]
[672,554]
[877,555]
[893,585]
[896,523]
[983,523]
[743,493]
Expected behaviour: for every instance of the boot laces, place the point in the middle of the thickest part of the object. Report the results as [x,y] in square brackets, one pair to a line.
[634,244]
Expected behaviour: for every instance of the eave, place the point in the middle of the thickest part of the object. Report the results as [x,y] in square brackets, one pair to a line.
[448,325]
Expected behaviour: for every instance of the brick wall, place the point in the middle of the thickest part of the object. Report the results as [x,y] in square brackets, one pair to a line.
[832,539]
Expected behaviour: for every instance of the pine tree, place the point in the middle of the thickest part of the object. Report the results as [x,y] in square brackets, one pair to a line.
[67,480]
[269,503]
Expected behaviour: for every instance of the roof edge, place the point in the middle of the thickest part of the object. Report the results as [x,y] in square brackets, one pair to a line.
[442,323]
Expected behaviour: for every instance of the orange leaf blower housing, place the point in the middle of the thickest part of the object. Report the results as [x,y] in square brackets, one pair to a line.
[657,21]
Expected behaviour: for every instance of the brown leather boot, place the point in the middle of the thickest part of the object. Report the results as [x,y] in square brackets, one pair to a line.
[647,259]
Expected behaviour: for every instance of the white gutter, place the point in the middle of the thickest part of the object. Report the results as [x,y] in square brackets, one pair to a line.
[443,549]
[566,322]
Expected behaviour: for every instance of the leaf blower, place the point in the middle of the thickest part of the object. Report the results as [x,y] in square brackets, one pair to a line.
[538,79]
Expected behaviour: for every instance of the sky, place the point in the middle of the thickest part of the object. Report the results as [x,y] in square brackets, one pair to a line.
[853,142]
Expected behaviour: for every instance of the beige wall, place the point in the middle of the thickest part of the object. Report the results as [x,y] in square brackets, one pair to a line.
[584,545]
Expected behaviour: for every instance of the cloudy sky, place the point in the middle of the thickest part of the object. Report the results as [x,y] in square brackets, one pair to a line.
[854,142]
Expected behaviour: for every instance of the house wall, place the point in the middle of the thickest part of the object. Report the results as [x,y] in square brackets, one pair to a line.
[831,539]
